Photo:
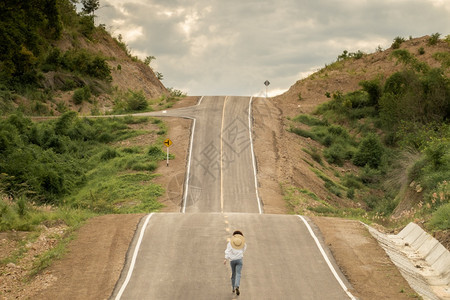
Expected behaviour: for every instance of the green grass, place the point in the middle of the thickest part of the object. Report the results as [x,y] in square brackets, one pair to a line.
[330,185]
[309,120]
[302,201]
[440,219]
[314,153]
[122,184]
[35,216]
[46,259]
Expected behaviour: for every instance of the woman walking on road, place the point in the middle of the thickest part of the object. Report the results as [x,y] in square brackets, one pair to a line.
[234,253]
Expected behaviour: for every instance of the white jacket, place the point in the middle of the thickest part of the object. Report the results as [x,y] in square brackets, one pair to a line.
[233,254]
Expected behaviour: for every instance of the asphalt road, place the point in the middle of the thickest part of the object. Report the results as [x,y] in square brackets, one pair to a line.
[180,255]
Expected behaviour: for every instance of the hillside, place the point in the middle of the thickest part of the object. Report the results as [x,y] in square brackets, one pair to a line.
[345,75]
[307,168]
[58,60]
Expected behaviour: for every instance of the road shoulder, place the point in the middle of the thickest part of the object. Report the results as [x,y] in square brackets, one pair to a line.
[364,263]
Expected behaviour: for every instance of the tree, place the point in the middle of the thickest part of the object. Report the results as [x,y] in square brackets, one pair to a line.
[370,152]
[90,6]
[373,88]
[149,59]
[54,18]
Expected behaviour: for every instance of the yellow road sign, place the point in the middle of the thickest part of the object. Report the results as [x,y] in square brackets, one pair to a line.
[168,143]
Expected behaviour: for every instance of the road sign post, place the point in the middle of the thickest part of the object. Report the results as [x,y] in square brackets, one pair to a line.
[266,83]
[167,143]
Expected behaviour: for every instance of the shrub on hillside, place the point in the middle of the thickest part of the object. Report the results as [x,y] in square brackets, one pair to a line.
[303,133]
[48,160]
[440,219]
[434,39]
[370,152]
[415,97]
[136,100]
[309,120]
[86,63]
[156,153]
[87,25]
[373,89]
[335,154]
[109,153]
[81,94]
[397,42]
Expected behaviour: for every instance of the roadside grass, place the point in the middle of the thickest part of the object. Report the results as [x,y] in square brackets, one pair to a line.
[135,101]
[46,259]
[31,224]
[304,202]
[330,185]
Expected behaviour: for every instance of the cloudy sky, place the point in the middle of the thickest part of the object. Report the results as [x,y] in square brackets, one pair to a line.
[230,47]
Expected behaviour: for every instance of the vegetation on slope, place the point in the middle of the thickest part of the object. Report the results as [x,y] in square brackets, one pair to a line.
[53,59]
[73,164]
[395,131]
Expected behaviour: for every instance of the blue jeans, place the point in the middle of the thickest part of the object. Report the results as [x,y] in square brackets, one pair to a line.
[236,267]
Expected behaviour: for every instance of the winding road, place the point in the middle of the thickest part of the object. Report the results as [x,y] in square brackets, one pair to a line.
[180,255]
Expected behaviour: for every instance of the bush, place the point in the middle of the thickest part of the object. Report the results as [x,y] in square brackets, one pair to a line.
[438,153]
[303,133]
[370,152]
[64,122]
[87,25]
[150,166]
[156,153]
[81,94]
[22,206]
[309,120]
[315,155]
[434,38]
[351,193]
[46,161]
[370,176]
[78,96]
[335,154]
[136,101]
[373,89]
[53,60]
[86,63]
[443,57]
[109,153]
[351,181]
[440,219]
[397,42]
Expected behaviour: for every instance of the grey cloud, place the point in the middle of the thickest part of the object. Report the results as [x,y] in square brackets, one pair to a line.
[235,45]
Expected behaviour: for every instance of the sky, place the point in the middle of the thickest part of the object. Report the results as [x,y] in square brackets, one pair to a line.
[231,47]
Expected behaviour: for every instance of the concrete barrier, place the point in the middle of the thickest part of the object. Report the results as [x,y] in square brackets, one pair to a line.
[436,255]
[421,259]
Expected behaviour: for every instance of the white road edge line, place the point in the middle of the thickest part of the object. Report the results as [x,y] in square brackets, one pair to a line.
[188,171]
[221,154]
[133,260]
[253,152]
[341,283]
